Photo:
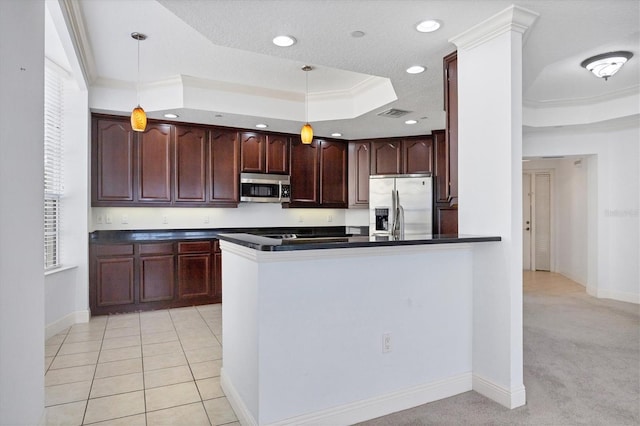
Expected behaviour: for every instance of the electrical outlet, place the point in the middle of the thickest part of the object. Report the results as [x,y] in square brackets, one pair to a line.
[386,343]
[125,219]
[329,218]
[100,219]
[300,219]
[108,218]
[206,219]
[165,219]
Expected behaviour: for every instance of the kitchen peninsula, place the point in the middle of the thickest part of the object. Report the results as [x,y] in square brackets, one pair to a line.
[341,330]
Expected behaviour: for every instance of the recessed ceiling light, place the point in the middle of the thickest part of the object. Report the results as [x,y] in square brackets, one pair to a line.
[416,69]
[171,115]
[357,34]
[218,115]
[411,122]
[336,134]
[428,26]
[284,41]
[261,126]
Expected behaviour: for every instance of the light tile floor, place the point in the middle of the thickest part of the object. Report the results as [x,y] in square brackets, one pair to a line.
[148,368]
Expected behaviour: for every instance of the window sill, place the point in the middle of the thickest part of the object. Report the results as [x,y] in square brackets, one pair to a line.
[59,269]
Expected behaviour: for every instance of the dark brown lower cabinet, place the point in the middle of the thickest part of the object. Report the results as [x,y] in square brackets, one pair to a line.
[194,270]
[157,272]
[146,276]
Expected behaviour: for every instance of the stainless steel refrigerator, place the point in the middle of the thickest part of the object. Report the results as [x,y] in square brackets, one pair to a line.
[400,206]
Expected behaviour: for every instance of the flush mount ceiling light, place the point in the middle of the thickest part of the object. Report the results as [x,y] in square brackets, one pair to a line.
[306,133]
[428,26]
[416,69]
[171,115]
[606,64]
[284,41]
[261,126]
[138,116]
[411,122]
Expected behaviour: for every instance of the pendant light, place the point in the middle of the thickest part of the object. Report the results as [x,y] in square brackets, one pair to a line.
[138,116]
[306,133]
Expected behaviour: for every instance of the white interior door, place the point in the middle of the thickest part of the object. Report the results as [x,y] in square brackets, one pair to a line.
[542,221]
[526,221]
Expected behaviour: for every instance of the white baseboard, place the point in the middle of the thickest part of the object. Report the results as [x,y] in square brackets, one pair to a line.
[242,412]
[65,322]
[361,410]
[509,398]
[621,296]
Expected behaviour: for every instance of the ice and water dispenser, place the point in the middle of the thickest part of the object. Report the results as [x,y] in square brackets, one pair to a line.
[382,219]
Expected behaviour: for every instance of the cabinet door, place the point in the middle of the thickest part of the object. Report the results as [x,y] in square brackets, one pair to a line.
[277,160]
[418,155]
[304,174]
[190,164]
[333,174]
[451,107]
[194,275]
[217,270]
[441,167]
[386,158]
[446,220]
[154,164]
[157,278]
[253,152]
[114,281]
[112,161]
[224,164]
[359,167]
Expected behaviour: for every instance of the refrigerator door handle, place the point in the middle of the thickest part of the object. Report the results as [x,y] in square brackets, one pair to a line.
[401,221]
[397,215]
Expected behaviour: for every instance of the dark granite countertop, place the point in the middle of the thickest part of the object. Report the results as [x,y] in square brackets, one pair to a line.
[262,243]
[154,235]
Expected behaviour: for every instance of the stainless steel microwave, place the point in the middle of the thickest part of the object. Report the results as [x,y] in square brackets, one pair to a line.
[265,188]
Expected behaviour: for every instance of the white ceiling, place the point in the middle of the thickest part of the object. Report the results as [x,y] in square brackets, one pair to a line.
[228,43]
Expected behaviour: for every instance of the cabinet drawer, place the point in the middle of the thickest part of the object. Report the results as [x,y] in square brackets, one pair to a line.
[194,247]
[114,249]
[159,248]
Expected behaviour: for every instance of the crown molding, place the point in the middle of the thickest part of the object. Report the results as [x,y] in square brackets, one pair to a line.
[513,18]
[73,17]
[550,103]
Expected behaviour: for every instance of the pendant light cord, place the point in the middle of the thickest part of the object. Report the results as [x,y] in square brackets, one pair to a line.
[138,76]
[306,97]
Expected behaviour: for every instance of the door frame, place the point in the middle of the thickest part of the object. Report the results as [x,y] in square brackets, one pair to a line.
[552,214]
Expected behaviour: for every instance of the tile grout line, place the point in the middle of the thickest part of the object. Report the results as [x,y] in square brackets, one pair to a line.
[86,406]
[190,370]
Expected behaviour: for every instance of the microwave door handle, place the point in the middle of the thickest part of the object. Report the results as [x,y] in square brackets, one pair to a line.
[280,191]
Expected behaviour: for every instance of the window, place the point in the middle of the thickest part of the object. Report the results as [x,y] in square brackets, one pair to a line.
[53,185]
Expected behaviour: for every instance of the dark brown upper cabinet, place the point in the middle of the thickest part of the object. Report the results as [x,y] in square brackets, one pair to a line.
[319,174]
[417,155]
[277,154]
[334,191]
[112,146]
[252,146]
[154,164]
[190,164]
[305,174]
[224,173]
[386,157]
[451,112]
[264,153]
[402,156]
[359,170]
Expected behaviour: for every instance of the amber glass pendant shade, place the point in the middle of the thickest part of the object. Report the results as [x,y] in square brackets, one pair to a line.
[306,134]
[138,119]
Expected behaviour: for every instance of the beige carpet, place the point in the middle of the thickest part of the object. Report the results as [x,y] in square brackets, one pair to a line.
[581,365]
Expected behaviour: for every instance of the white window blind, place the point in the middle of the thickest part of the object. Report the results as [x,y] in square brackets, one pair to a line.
[53,157]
